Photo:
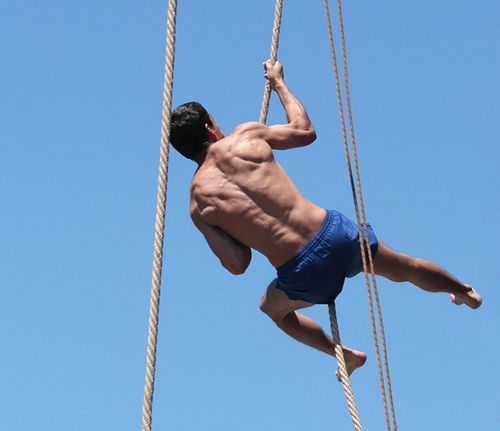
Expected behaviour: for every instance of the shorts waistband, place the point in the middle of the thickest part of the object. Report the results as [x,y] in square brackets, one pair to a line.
[331,218]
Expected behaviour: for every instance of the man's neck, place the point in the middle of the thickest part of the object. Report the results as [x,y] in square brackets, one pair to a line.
[200,158]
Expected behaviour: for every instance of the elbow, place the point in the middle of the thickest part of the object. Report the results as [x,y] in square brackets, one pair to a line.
[308,135]
[239,264]
[236,268]
[305,131]
[311,135]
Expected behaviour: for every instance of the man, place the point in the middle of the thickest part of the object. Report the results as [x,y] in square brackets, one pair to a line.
[241,199]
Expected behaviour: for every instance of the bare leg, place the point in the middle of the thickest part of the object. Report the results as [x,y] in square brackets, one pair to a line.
[424,274]
[282,311]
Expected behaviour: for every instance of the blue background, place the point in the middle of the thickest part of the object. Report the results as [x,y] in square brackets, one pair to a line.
[80,114]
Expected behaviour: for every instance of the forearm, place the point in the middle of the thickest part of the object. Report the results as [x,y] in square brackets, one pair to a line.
[295,112]
[299,131]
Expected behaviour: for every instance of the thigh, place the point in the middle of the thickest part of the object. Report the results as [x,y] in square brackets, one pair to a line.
[277,304]
[391,264]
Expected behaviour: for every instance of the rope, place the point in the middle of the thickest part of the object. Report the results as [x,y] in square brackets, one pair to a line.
[364,225]
[274,55]
[339,354]
[160,219]
[344,377]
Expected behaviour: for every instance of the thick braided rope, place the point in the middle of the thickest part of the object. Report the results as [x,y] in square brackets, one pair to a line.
[273,57]
[365,267]
[160,219]
[344,377]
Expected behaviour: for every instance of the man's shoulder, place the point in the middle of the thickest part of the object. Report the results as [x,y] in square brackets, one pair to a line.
[252,133]
[248,142]
[250,127]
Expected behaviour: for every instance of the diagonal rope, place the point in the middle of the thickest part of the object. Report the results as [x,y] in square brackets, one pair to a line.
[273,57]
[333,320]
[375,289]
[371,268]
[160,219]
[364,225]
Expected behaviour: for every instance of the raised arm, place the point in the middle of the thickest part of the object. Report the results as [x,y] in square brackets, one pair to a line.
[299,131]
[233,255]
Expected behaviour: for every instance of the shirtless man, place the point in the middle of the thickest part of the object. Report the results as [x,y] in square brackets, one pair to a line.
[241,199]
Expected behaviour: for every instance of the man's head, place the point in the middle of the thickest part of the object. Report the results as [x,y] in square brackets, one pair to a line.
[192,129]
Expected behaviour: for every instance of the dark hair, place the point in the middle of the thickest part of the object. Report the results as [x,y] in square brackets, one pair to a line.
[187,132]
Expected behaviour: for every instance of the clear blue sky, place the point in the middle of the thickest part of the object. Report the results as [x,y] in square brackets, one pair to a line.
[80,101]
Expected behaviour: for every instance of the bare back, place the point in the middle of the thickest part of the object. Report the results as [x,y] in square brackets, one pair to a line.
[241,189]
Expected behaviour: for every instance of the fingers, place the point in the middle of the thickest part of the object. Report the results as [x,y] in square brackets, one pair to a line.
[269,64]
[272,71]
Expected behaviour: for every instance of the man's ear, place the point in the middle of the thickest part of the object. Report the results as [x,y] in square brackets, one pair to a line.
[211,132]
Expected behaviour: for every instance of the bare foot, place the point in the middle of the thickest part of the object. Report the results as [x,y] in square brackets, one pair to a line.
[353,360]
[470,298]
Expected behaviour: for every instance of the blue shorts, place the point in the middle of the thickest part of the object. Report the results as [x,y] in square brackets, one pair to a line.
[317,273]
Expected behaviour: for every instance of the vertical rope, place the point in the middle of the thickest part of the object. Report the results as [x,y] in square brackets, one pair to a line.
[364,225]
[273,57]
[344,377]
[160,219]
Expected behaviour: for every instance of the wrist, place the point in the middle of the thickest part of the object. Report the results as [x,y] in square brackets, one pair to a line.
[278,84]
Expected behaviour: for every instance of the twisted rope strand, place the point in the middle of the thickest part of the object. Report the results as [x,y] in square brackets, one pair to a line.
[273,57]
[353,187]
[375,289]
[357,209]
[339,354]
[160,219]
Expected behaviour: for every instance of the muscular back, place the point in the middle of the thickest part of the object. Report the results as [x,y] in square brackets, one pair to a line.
[241,189]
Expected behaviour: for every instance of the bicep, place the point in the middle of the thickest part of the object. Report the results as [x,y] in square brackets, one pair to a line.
[286,136]
[282,136]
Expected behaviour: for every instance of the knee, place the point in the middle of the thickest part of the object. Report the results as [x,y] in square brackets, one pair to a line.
[267,308]
[264,305]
